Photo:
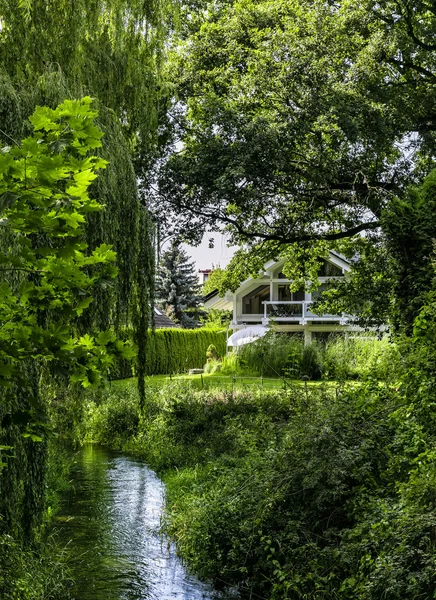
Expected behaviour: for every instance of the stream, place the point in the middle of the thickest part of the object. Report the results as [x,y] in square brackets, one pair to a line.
[109,525]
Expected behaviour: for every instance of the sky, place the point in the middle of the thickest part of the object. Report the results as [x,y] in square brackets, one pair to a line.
[205,257]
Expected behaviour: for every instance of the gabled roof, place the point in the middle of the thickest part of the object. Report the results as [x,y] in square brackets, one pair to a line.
[334,257]
[210,295]
[213,300]
[161,321]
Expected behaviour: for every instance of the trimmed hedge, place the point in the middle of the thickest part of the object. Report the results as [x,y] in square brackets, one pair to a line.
[175,351]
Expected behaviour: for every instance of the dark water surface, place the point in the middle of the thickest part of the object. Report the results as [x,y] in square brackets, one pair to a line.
[110,524]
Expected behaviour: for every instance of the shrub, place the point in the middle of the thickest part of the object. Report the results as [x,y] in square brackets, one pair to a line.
[231,364]
[174,351]
[314,492]
[212,366]
[311,362]
[212,353]
[114,420]
[272,355]
[341,358]
[361,357]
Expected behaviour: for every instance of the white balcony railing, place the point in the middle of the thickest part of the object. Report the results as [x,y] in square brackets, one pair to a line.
[297,311]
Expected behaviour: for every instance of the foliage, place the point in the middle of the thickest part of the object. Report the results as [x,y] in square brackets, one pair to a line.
[410,227]
[231,364]
[217,318]
[212,283]
[43,186]
[356,83]
[48,278]
[212,353]
[367,290]
[392,276]
[252,69]
[213,366]
[319,493]
[213,360]
[340,358]
[177,287]
[111,50]
[28,575]
[172,351]
[42,570]
[177,351]
[115,419]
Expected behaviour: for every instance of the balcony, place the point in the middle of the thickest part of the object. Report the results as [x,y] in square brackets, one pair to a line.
[299,312]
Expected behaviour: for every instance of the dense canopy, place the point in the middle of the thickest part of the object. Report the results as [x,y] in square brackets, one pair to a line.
[299,120]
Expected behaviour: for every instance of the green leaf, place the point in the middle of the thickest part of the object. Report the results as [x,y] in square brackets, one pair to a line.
[83,305]
[7,199]
[105,337]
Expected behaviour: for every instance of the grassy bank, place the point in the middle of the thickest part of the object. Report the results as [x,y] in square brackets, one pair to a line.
[311,492]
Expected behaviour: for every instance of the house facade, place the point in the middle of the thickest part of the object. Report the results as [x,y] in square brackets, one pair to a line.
[267,300]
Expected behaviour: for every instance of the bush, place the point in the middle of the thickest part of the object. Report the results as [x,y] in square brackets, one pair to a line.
[316,492]
[231,364]
[213,366]
[272,356]
[341,358]
[311,362]
[174,351]
[318,505]
[114,420]
[360,357]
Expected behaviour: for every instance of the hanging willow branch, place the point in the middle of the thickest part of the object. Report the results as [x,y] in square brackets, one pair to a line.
[111,50]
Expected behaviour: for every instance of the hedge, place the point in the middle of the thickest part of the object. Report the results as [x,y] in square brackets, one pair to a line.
[175,351]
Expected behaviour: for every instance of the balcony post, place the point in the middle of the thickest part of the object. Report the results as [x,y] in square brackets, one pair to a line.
[307,337]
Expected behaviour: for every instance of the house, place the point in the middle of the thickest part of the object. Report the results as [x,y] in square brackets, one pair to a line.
[267,300]
[203,275]
[161,321]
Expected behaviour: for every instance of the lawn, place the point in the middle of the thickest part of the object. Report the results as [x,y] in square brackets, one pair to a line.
[208,380]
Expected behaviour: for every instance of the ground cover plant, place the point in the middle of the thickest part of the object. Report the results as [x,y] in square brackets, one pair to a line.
[310,492]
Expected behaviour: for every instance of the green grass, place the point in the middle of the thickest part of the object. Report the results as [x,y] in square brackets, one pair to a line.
[208,380]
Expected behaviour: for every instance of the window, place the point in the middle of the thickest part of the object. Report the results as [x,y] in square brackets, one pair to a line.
[317,293]
[328,269]
[285,294]
[252,302]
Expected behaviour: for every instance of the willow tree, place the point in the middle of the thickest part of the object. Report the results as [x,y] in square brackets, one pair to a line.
[112,51]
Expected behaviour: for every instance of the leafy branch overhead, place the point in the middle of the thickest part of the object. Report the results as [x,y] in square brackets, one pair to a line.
[48,272]
[297,121]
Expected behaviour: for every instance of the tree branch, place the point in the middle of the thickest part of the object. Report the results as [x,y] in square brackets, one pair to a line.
[411,32]
[410,65]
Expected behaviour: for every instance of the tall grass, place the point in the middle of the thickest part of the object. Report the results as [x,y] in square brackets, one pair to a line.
[361,357]
[278,355]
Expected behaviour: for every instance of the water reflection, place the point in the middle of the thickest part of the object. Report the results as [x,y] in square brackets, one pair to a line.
[110,523]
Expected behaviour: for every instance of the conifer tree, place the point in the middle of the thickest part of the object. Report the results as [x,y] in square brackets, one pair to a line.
[177,287]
